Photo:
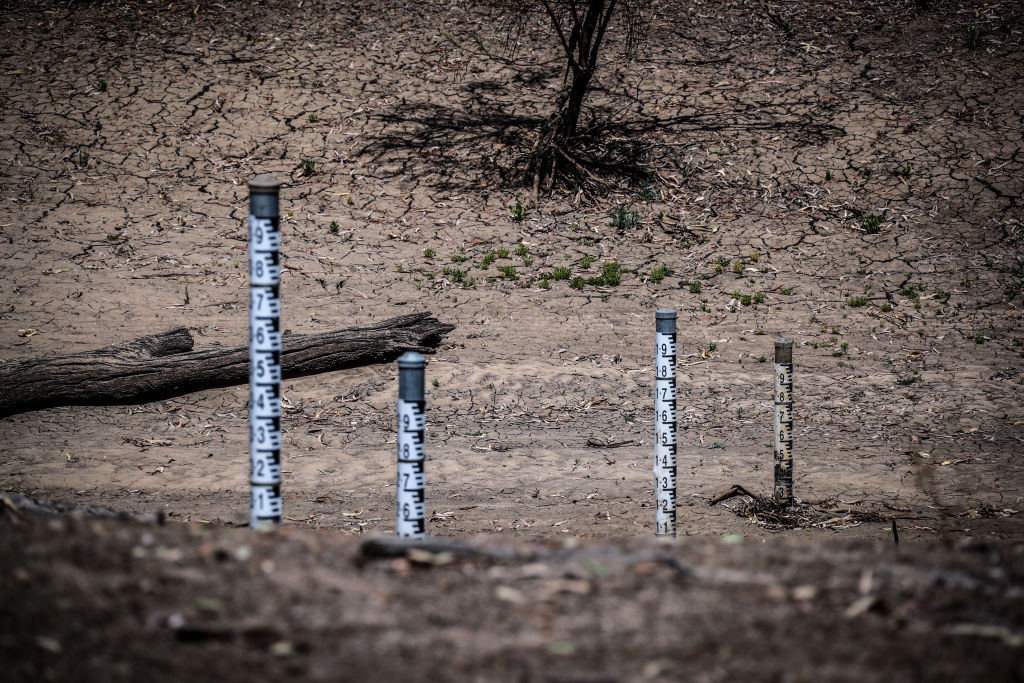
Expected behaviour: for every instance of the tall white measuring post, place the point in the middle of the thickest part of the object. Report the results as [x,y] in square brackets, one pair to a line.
[411,514]
[264,351]
[665,458]
[784,421]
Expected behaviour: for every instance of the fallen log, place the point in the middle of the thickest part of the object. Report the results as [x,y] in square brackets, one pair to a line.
[164,365]
[16,504]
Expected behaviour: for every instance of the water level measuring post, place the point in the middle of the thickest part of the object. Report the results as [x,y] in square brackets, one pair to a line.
[264,352]
[784,421]
[665,457]
[411,516]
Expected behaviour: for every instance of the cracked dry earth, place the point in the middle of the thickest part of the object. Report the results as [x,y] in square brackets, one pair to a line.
[844,174]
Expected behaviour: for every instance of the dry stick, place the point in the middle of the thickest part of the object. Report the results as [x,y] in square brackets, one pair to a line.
[736,490]
[164,365]
[441,551]
[381,548]
[580,168]
[597,443]
[18,504]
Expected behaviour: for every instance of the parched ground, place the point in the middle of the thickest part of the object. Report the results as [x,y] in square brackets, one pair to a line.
[844,174]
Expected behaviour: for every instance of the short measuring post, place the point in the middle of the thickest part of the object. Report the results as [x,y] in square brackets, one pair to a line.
[665,459]
[784,421]
[410,521]
[264,352]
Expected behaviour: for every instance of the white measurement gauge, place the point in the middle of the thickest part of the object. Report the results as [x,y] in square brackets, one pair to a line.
[410,496]
[412,511]
[665,439]
[264,359]
[783,420]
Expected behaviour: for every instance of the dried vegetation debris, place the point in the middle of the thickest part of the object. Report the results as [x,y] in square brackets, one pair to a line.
[771,514]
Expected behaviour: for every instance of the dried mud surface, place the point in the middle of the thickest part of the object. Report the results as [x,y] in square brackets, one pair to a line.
[843,174]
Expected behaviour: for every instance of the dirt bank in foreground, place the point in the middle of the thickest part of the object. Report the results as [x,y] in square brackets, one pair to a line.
[98,599]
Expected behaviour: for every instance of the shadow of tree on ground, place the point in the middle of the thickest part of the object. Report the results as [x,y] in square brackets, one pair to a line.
[486,144]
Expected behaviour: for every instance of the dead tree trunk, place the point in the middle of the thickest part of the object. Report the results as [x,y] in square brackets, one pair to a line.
[164,365]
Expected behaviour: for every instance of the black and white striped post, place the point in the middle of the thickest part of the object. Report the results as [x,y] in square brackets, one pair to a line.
[264,352]
[410,518]
[665,457]
[784,421]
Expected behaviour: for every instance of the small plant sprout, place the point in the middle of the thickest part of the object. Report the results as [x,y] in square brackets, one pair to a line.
[624,217]
[738,267]
[429,252]
[101,85]
[905,171]
[312,118]
[308,168]
[489,258]
[517,212]
[577,283]
[658,273]
[527,261]
[696,287]
[459,258]
[502,252]
[455,274]
[907,380]
[509,272]
[436,383]
[759,298]
[561,273]
[910,291]
[856,301]
[871,224]
[886,307]
[611,273]
[973,37]
[334,227]
[522,250]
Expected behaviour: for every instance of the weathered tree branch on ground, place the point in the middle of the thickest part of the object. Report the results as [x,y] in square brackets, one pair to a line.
[164,365]
[16,504]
